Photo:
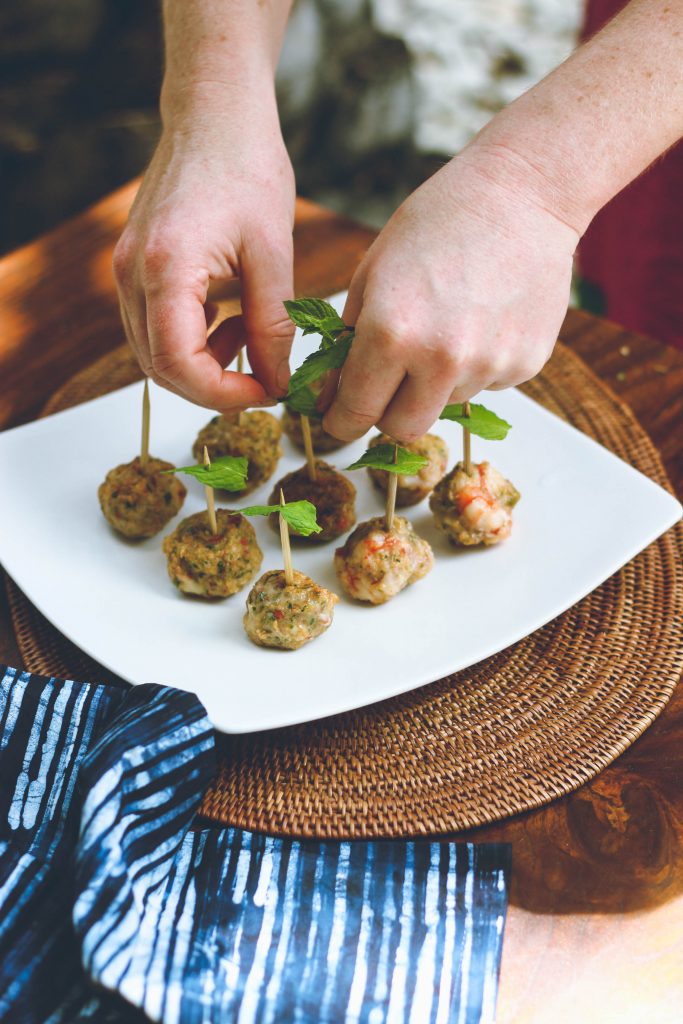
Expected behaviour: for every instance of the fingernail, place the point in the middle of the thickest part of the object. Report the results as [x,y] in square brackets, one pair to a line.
[283,374]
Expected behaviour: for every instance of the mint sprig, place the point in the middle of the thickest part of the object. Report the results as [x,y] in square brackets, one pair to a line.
[315,316]
[304,401]
[318,363]
[299,515]
[227,473]
[391,458]
[481,421]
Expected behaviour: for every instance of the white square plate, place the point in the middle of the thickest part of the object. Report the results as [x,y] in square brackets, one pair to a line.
[584,513]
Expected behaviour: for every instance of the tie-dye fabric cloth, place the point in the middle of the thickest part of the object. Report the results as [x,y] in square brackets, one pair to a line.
[115,908]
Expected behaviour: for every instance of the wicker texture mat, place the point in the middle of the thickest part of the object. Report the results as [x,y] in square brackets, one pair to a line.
[514,732]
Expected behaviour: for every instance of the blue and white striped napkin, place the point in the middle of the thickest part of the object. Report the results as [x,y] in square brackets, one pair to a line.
[115,908]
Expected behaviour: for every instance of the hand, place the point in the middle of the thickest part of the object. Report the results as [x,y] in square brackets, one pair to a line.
[465,288]
[217,203]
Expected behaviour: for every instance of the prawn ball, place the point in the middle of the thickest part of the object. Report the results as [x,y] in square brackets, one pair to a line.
[255,435]
[210,564]
[287,615]
[375,564]
[411,489]
[475,508]
[321,440]
[332,493]
[138,499]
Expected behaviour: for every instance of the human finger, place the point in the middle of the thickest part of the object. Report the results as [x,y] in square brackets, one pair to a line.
[267,276]
[210,314]
[227,340]
[328,390]
[181,357]
[416,405]
[354,299]
[371,375]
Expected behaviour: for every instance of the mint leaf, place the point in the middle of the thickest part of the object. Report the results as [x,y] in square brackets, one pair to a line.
[300,515]
[229,473]
[315,316]
[318,363]
[381,456]
[303,401]
[481,421]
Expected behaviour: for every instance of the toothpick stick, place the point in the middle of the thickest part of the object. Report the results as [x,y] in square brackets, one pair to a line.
[466,446]
[391,495]
[286,549]
[308,447]
[210,498]
[144,445]
[240,369]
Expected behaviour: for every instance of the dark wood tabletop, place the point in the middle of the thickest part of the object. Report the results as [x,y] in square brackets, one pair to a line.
[595,928]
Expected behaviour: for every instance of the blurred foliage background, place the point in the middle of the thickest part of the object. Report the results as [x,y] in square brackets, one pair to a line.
[374,94]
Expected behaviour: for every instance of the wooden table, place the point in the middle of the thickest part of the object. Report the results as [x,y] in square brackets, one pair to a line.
[595,928]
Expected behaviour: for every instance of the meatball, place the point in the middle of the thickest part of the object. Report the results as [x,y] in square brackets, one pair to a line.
[322,441]
[375,563]
[332,493]
[412,489]
[287,615]
[474,509]
[255,435]
[212,565]
[138,499]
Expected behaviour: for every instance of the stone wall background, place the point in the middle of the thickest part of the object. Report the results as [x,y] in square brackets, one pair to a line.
[374,94]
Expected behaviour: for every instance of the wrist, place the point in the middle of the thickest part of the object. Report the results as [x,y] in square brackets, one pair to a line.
[524,156]
[188,102]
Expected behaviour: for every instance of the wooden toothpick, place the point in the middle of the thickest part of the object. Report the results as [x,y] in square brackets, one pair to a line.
[286,548]
[391,495]
[144,444]
[210,498]
[466,446]
[308,447]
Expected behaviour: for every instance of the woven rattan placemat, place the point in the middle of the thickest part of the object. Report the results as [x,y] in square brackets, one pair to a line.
[509,734]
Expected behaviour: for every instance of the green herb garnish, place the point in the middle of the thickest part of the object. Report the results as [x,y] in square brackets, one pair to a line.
[228,473]
[300,515]
[392,458]
[315,316]
[303,401]
[318,363]
[481,421]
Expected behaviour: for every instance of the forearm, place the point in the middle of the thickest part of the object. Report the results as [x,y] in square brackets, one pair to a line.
[218,52]
[599,120]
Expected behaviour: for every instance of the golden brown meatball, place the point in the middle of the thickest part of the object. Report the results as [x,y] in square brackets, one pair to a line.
[287,615]
[412,489]
[256,436]
[322,441]
[138,500]
[375,564]
[212,565]
[332,493]
[474,509]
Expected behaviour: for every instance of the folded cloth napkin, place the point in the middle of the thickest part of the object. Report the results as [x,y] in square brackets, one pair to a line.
[115,907]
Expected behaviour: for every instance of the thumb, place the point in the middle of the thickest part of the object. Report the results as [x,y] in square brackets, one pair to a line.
[267,276]
[354,300]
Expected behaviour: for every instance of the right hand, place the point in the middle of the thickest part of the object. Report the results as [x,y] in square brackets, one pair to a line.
[216,204]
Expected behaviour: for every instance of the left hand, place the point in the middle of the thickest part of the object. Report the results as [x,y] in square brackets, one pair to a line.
[464,289]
